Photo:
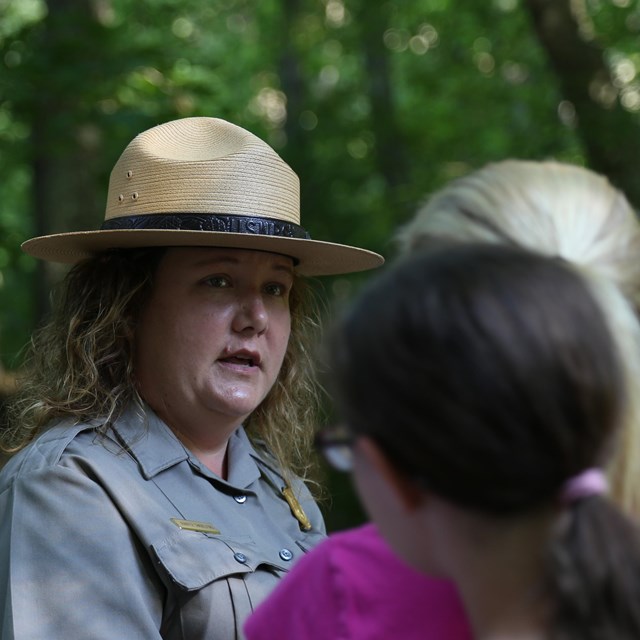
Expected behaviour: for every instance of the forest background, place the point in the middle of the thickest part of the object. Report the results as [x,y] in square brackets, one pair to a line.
[374,104]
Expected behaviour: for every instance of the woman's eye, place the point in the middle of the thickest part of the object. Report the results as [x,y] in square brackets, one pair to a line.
[275,289]
[218,282]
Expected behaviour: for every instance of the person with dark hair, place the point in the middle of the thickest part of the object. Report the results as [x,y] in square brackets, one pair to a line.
[557,210]
[162,431]
[481,395]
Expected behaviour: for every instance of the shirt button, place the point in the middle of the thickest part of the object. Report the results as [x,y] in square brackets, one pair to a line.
[240,557]
[285,554]
[240,499]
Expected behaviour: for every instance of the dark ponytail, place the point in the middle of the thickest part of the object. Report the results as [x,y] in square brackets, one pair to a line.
[593,573]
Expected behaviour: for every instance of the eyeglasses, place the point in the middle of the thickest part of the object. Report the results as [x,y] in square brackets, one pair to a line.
[336,445]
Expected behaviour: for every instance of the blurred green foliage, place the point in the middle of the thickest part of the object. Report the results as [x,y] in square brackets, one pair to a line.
[374,104]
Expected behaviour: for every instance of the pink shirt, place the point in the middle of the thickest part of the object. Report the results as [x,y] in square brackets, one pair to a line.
[352,587]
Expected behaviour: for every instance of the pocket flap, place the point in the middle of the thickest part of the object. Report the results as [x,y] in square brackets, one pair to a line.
[193,560]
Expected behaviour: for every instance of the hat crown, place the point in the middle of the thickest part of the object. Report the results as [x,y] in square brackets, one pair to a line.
[193,139]
[204,182]
[202,166]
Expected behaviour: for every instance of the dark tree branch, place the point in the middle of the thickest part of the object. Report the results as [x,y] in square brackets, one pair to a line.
[611,135]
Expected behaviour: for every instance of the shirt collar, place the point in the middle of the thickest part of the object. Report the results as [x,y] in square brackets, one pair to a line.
[241,459]
[156,448]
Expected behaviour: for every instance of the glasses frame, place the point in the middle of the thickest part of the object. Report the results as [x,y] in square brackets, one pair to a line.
[336,446]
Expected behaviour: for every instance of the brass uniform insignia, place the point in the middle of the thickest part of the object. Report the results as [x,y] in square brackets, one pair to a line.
[194,525]
[296,509]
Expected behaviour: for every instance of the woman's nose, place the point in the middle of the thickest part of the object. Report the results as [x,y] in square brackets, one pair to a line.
[251,315]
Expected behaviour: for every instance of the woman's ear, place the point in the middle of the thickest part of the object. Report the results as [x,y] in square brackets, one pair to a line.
[407,493]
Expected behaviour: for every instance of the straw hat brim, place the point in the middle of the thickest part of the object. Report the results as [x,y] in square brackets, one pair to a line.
[313,257]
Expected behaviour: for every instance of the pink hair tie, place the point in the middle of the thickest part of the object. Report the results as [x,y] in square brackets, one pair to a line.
[590,482]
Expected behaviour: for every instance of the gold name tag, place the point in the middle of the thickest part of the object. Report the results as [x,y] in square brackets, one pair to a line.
[194,525]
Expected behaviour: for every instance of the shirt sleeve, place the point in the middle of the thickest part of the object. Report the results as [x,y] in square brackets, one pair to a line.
[70,567]
[305,604]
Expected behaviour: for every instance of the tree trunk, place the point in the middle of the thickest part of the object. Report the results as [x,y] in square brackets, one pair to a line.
[64,195]
[290,78]
[390,150]
[611,135]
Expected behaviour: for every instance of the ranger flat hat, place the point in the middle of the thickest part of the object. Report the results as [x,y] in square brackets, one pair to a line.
[204,182]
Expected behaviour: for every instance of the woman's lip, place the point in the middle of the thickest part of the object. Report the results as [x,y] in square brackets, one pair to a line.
[239,357]
[240,365]
[243,362]
[238,371]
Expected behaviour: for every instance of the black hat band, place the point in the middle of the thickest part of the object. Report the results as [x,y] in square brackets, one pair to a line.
[208,222]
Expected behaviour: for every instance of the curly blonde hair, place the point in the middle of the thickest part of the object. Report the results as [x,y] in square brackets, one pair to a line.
[79,365]
[566,211]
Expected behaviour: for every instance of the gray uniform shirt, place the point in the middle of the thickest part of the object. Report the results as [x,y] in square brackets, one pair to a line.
[129,536]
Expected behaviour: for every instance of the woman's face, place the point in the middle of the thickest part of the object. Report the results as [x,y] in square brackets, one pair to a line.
[212,337]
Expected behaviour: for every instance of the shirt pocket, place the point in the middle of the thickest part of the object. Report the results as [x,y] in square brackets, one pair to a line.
[193,560]
[215,582]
